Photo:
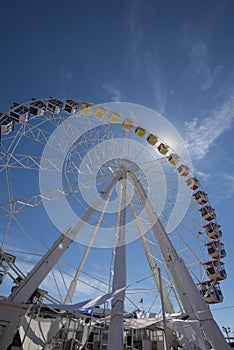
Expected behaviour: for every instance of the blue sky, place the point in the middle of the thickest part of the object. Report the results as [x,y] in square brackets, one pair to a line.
[176,57]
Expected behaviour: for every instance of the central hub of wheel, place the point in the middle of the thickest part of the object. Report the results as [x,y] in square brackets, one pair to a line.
[116,168]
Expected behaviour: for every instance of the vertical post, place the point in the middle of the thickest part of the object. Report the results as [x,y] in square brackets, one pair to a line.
[166,347]
[116,330]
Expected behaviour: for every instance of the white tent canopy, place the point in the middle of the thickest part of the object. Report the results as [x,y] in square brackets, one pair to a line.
[36,333]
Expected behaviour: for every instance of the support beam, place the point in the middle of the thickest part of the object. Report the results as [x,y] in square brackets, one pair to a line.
[116,330]
[152,264]
[73,284]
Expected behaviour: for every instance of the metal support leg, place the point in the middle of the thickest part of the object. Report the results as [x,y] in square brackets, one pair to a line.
[116,330]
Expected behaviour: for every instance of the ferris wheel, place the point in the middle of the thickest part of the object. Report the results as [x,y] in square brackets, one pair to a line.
[76,177]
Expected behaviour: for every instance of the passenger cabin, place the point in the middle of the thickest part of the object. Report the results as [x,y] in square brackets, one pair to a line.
[152,139]
[208,213]
[140,131]
[193,183]
[114,117]
[71,106]
[37,107]
[54,105]
[183,170]
[127,123]
[216,249]
[162,148]
[86,107]
[6,124]
[201,197]
[19,113]
[173,158]
[211,293]
[213,230]
[215,270]
[101,112]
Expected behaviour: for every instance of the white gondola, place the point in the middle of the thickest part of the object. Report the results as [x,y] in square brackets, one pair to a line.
[37,107]
[19,113]
[215,270]
[6,124]
[71,106]
[216,249]
[152,139]
[193,183]
[211,293]
[183,170]
[54,105]
[208,213]
[140,131]
[173,159]
[201,197]
[163,149]
[213,230]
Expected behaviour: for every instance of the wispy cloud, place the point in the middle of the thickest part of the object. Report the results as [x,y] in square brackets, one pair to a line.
[200,65]
[113,91]
[198,52]
[200,134]
[228,186]
[158,88]
[135,27]
[64,78]
[146,65]
[203,175]
[225,188]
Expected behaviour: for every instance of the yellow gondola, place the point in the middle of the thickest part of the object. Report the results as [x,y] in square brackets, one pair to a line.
[101,112]
[173,159]
[127,123]
[162,148]
[140,131]
[114,117]
[152,139]
[86,107]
